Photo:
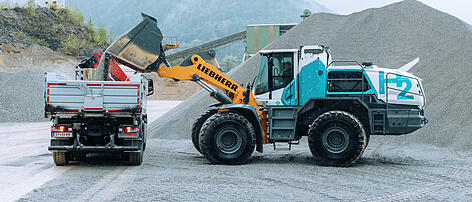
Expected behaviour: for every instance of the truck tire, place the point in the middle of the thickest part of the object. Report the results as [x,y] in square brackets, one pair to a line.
[227,138]
[60,158]
[197,125]
[135,158]
[337,138]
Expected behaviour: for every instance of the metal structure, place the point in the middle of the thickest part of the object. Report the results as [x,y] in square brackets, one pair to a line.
[260,35]
[206,46]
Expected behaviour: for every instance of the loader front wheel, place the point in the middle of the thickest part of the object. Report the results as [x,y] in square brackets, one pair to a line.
[197,125]
[227,138]
[60,158]
[337,138]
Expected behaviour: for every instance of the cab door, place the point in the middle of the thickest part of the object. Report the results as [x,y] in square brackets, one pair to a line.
[312,75]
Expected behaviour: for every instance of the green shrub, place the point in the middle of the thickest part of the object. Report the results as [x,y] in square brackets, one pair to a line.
[75,16]
[5,5]
[100,37]
[71,45]
[31,8]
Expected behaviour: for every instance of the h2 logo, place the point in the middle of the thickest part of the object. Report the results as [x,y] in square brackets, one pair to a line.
[399,80]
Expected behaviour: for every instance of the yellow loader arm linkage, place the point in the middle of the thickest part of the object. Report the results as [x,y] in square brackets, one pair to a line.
[202,71]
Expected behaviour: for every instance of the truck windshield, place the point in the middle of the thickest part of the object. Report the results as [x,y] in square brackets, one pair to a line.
[261,85]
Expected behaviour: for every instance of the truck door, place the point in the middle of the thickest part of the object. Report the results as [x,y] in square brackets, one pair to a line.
[275,73]
[312,76]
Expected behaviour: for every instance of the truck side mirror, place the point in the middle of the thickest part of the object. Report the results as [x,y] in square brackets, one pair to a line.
[150,87]
[270,62]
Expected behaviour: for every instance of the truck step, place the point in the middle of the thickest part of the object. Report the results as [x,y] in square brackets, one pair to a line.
[282,123]
[287,146]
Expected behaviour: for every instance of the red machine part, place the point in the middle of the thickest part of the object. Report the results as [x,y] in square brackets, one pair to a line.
[115,73]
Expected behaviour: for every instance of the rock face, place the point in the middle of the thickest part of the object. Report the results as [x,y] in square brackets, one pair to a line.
[21,27]
[390,37]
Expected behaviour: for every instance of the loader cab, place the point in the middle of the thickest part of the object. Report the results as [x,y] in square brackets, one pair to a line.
[288,75]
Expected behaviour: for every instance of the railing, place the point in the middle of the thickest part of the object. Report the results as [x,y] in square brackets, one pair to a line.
[85,74]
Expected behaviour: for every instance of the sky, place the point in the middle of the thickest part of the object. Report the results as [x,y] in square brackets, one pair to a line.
[461,9]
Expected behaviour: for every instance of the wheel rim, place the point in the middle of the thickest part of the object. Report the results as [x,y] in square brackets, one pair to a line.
[228,140]
[335,140]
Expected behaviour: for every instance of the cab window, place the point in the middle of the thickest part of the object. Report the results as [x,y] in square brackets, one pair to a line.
[274,77]
[261,85]
[282,71]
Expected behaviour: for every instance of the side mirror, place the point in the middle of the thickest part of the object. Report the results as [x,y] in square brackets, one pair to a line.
[270,62]
[150,87]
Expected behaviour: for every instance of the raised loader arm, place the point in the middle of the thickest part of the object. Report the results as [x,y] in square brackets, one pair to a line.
[207,75]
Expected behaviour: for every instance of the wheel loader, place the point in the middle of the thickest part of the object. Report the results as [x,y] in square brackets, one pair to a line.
[297,93]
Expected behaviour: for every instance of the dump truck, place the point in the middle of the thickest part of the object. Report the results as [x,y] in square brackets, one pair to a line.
[97,116]
[297,93]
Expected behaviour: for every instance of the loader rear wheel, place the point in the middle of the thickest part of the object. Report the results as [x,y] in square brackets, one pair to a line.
[337,138]
[60,158]
[135,158]
[197,125]
[227,138]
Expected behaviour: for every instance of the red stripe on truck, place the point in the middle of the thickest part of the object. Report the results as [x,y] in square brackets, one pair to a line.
[132,85]
[93,84]
[93,109]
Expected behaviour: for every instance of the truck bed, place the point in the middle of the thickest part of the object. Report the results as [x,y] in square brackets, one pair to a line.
[75,96]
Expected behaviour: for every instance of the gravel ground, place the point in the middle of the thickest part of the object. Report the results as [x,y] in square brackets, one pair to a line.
[174,171]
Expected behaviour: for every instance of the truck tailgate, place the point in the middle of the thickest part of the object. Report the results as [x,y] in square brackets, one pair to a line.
[73,95]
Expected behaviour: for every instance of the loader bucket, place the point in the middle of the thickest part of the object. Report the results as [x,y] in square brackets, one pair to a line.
[140,48]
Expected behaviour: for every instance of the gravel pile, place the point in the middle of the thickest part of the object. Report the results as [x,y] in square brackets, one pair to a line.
[21,91]
[390,37]
[21,96]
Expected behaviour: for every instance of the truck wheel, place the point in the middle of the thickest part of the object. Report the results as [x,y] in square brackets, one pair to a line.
[136,158]
[337,138]
[227,138]
[197,125]
[60,158]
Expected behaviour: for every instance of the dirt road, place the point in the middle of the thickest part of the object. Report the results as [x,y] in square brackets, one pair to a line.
[174,171]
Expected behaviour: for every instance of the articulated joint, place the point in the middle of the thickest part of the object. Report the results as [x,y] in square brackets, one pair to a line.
[195,77]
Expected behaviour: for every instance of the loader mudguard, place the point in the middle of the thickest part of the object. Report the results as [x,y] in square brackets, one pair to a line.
[251,114]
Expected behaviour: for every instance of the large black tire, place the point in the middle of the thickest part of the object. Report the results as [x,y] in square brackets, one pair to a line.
[135,158]
[60,158]
[227,138]
[337,138]
[197,125]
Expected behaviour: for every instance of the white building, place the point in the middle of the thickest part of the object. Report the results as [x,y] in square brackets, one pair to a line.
[42,3]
